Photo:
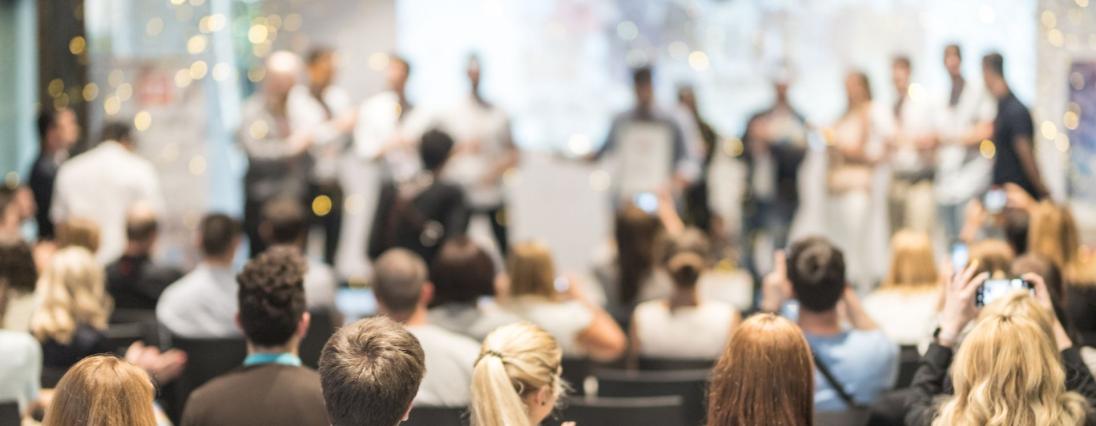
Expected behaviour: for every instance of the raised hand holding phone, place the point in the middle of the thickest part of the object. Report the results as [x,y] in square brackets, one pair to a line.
[959,309]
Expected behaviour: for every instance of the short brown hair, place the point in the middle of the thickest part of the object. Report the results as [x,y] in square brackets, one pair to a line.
[461,272]
[398,278]
[285,221]
[271,296]
[816,270]
[218,231]
[370,372]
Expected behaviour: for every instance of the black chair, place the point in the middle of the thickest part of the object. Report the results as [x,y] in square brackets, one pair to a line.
[206,359]
[575,372]
[675,364]
[323,325]
[691,385]
[437,416]
[658,410]
[909,359]
[120,336]
[857,417]
[9,413]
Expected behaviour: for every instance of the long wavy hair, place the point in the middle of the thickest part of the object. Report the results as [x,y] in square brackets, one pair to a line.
[515,362]
[1053,235]
[1008,371]
[766,372]
[102,390]
[913,264]
[70,292]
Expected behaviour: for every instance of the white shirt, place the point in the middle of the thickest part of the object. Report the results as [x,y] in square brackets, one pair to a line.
[914,122]
[686,332]
[319,285]
[307,113]
[450,358]
[482,133]
[101,185]
[961,172]
[563,320]
[906,317]
[20,367]
[202,304]
[380,121]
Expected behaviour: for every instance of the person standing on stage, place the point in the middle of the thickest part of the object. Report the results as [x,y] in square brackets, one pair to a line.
[389,127]
[58,131]
[484,152]
[277,153]
[1013,133]
[775,146]
[910,197]
[326,110]
[965,121]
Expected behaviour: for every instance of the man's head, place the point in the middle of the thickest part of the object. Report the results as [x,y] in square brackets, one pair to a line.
[473,70]
[816,270]
[118,131]
[900,74]
[643,84]
[271,299]
[435,149]
[142,228]
[993,72]
[370,372]
[400,284]
[283,222]
[282,70]
[687,96]
[57,129]
[220,235]
[953,59]
[321,67]
[399,70]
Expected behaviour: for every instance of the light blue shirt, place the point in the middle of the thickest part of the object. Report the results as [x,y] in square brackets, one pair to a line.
[864,362]
[264,358]
[20,367]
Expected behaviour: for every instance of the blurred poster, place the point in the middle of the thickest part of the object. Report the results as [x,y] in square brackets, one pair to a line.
[1080,119]
[645,156]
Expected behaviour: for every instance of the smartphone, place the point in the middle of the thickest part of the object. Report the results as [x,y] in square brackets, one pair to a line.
[646,201]
[994,200]
[960,255]
[993,289]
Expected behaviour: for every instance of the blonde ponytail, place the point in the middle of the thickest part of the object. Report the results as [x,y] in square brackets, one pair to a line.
[515,361]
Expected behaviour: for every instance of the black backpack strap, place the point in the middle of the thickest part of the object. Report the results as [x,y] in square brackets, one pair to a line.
[834,383]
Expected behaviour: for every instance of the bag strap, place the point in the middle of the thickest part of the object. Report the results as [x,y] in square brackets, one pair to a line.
[834,383]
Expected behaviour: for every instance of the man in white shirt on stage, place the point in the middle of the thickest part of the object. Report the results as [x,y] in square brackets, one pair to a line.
[103,184]
[912,146]
[389,126]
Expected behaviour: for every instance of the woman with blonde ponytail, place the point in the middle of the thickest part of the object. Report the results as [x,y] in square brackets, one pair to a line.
[516,380]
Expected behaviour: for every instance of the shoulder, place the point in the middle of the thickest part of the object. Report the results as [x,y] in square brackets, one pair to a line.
[22,346]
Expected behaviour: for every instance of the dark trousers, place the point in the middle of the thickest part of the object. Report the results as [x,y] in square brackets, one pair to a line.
[253,216]
[773,217]
[329,223]
[497,217]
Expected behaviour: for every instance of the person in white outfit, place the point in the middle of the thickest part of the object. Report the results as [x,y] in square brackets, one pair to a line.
[910,198]
[389,126]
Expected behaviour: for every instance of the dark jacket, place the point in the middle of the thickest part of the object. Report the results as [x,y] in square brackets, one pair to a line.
[419,216]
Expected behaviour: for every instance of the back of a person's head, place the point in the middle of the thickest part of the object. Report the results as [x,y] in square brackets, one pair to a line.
[398,279]
[434,149]
[993,256]
[141,224]
[687,256]
[642,76]
[1016,223]
[17,268]
[70,292]
[515,362]
[637,235]
[462,272]
[1053,234]
[102,390]
[78,232]
[47,119]
[913,264]
[1038,265]
[531,270]
[766,371]
[1008,371]
[816,270]
[370,371]
[219,232]
[271,296]
[284,221]
[117,131]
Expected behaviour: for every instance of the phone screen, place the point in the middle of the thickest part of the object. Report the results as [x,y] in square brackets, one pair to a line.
[992,290]
[995,200]
[646,201]
[959,256]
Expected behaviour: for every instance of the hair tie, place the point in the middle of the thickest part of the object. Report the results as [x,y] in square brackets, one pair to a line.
[488,353]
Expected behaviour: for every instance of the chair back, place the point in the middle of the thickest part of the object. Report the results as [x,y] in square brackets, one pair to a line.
[575,372]
[9,413]
[323,325]
[675,364]
[855,417]
[690,385]
[437,416]
[205,359]
[658,410]
[120,336]
[908,361]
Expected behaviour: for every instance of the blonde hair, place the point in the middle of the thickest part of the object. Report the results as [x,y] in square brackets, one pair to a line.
[515,361]
[70,292]
[993,256]
[1008,371]
[78,232]
[913,264]
[532,271]
[1053,235]
[102,390]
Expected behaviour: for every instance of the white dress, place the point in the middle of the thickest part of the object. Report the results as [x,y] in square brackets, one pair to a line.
[695,332]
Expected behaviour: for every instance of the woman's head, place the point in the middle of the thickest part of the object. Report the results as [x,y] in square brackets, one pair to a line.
[686,257]
[102,390]
[637,237]
[766,372]
[78,232]
[1007,371]
[913,263]
[1053,235]
[70,292]
[516,380]
[462,272]
[857,88]
[993,256]
[531,270]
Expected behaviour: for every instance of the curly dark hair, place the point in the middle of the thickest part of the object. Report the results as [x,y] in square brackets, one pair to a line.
[271,296]
[17,270]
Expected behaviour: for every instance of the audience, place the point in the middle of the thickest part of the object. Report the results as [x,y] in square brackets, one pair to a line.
[630,273]
[581,327]
[18,276]
[134,280]
[102,390]
[203,303]
[274,319]
[78,232]
[73,308]
[516,381]
[370,371]
[20,361]
[463,275]
[1053,235]
[103,183]
[685,325]
[284,222]
[906,302]
[403,293]
[861,360]
[777,387]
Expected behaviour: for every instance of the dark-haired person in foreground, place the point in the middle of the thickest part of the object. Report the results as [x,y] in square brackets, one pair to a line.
[203,303]
[370,371]
[272,388]
[135,281]
[854,365]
